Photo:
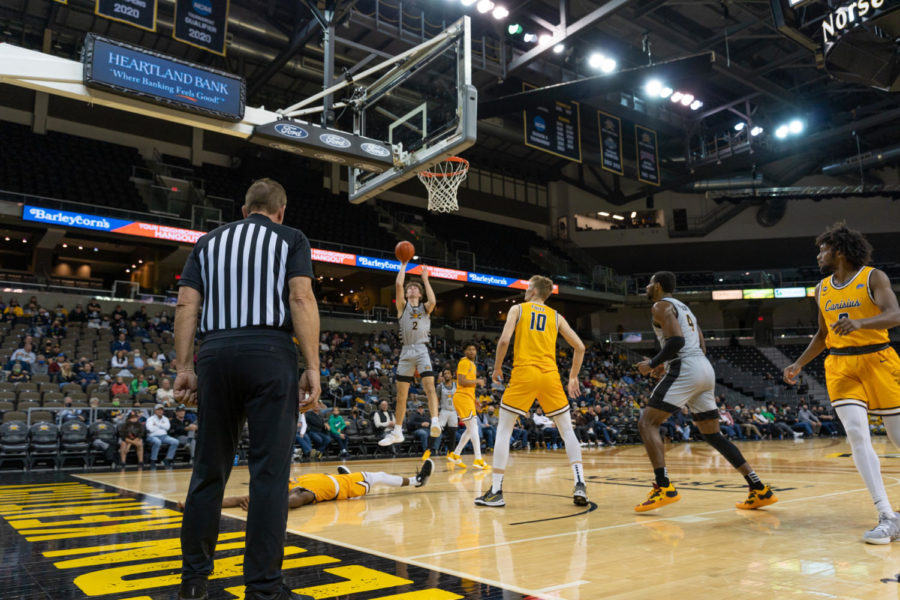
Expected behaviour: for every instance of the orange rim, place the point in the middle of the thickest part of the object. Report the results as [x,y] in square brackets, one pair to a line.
[456,159]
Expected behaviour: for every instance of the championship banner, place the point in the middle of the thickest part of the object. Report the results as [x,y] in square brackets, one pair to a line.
[555,129]
[202,23]
[647,155]
[610,142]
[139,13]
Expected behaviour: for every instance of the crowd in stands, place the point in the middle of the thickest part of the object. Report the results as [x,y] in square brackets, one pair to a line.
[86,364]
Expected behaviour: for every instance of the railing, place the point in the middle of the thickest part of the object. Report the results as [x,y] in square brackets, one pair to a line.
[638,337]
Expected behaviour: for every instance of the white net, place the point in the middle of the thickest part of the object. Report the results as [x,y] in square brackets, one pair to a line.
[442,181]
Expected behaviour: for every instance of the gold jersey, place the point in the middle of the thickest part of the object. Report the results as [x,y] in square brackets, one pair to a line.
[852,299]
[536,331]
[466,368]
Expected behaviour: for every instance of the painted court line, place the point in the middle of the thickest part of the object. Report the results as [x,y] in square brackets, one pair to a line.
[632,524]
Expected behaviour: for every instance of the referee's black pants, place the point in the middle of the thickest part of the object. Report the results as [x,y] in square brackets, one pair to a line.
[249,375]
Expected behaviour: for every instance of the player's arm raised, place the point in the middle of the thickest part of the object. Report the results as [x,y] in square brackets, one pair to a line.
[573,387]
[399,292]
[430,299]
[503,343]
[885,300]
[815,347]
[664,314]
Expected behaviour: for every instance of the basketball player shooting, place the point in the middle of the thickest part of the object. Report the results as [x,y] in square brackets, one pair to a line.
[689,381]
[414,318]
[857,306]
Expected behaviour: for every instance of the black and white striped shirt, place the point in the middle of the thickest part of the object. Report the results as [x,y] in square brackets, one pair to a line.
[242,270]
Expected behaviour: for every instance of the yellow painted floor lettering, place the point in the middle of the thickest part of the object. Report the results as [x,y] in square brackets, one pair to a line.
[433,594]
[151,513]
[42,535]
[122,553]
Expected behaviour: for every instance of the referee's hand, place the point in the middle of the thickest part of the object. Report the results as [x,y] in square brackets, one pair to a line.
[310,389]
[186,388]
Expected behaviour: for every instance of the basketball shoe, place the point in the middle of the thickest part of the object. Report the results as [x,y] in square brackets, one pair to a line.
[435,430]
[658,496]
[392,437]
[343,470]
[424,473]
[887,530]
[579,496]
[456,459]
[480,464]
[491,499]
[193,590]
[757,499]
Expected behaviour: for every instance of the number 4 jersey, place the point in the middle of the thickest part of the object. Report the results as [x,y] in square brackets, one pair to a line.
[535,343]
[690,329]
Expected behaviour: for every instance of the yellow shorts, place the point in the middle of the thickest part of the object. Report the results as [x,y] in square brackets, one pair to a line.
[352,485]
[529,383]
[868,380]
[464,405]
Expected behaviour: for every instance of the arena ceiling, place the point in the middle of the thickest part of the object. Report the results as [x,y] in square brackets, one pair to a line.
[758,72]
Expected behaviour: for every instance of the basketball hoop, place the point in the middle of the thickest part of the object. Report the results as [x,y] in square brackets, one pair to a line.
[442,182]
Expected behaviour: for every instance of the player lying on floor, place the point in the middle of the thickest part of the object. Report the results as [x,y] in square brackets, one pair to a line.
[321,487]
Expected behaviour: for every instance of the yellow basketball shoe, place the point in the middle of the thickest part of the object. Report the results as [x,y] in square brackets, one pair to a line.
[456,459]
[426,455]
[658,496]
[758,499]
[480,464]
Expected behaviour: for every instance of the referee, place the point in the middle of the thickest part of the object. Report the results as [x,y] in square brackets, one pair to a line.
[248,285]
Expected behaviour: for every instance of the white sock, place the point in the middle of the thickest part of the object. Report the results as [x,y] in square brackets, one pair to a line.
[398,429]
[435,421]
[501,443]
[463,440]
[578,472]
[564,426]
[856,423]
[382,478]
[472,435]
[496,482]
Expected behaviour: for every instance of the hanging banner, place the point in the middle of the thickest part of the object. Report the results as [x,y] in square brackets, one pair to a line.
[647,155]
[555,129]
[202,23]
[610,142]
[139,13]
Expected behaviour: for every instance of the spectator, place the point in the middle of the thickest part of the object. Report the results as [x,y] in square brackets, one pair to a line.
[488,428]
[779,426]
[184,429]
[336,425]
[121,343]
[69,413]
[315,429]
[119,388]
[87,376]
[119,360]
[165,394]
[140,315]
[138,384]
[383,419]
[155,361]
[18,374]
[804,415]
[24,354]
[66,374]
[418,424]
[53,369]
[158,434]
[131,434]
[548,434]
[13,311]
[830,426]
[40,367]
[77,315]
[727,424]
[138,361]
[303,440]
[763,423]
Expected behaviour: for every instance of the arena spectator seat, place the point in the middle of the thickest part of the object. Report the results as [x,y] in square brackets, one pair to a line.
[73,443]
[14,441]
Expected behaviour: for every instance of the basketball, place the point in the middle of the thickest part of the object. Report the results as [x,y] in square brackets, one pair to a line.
[404,251]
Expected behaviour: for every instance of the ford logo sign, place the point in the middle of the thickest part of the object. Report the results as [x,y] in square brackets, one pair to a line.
[334,140]
[375,149]
[291,131]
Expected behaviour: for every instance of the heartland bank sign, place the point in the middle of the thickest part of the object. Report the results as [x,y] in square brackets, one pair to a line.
[850,15]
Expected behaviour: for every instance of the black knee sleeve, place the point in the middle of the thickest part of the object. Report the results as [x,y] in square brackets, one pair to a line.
[725,448]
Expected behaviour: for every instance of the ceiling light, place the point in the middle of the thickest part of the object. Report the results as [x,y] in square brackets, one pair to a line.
[6,238]
[618,217]
[81,247]
[696,104]
[665,92]
[484,6]
[24,241]
[500,12]
[756,131]
[128,270]
[467,2]
[633,214]
[795,126]
[134,266]
[64,245]
[653,87]
[140,262]
[608,65]
[544,39]
[595,60]
[559,48]
[529,38]
[739,126]
[514,29]
[675,97]
[686,99]
[603,214]
[96,250]
[781,132]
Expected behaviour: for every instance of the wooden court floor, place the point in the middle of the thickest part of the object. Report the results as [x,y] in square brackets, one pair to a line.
[434,544]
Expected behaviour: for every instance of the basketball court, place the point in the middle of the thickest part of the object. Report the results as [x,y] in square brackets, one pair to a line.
[115,534]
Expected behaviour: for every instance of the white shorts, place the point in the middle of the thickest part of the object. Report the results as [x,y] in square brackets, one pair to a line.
[691,382]
[414,358]
[448,418]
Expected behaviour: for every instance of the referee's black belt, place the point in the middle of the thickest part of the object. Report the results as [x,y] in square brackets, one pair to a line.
[856,350]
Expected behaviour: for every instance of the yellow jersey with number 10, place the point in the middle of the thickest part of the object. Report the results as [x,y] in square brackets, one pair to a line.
[536,331]
[852,299]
